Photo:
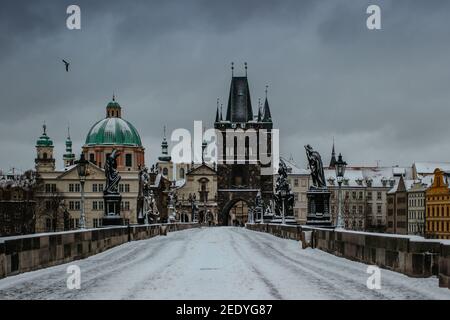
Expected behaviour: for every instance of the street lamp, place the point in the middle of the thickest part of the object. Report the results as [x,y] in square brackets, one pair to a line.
[340,171]
[192,200]
[82,173]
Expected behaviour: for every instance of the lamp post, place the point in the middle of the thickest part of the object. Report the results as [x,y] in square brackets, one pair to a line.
[82,173]
[192,200]
[340,171]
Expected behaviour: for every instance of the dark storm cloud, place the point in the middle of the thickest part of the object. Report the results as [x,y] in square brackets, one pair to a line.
[382,94]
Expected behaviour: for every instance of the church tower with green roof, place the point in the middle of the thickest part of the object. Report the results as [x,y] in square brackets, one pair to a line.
[45,162]
[69,156]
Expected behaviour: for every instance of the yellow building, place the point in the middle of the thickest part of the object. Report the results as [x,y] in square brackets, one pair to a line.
[437,221]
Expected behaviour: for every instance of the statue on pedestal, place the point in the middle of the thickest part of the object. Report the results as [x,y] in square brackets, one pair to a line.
[111,173]
[316,167]
[111,193]
[283,197]
[318,195]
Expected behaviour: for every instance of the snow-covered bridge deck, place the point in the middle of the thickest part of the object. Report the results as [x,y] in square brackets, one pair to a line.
[216,263]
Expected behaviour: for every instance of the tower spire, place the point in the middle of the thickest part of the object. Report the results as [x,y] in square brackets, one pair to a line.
[245,66]
[232,69]
[267,116]
[333,156]
[164,148]
[217,111]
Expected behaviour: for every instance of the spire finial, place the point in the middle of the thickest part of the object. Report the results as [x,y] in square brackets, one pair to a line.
[68,131]
[114,96]
[232,69]
[267,88]
[164,132]
[245,66]
[221,105]
[44,127]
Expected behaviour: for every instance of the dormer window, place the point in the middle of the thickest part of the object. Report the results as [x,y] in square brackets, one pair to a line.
[392,182]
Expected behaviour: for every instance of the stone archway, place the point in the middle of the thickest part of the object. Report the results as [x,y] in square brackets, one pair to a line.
[229,216]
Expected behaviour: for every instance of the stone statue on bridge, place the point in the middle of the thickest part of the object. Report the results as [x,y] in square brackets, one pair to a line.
[316,167]
[111,173]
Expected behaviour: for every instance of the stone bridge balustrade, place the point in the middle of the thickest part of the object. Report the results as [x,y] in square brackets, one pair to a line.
[411,255]
[31,252]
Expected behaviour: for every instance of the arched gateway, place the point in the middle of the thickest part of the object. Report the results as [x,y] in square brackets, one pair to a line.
[244,149]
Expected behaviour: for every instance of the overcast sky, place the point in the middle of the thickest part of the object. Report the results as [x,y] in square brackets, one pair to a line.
[384,95]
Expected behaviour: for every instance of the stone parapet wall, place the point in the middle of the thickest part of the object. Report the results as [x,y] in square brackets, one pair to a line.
[31,252]
[410,255]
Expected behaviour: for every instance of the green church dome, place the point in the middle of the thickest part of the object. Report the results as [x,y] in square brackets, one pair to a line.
[113,131]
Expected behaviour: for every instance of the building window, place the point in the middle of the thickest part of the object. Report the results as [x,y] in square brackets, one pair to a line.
[71,188]
[165,172]
[77,205]
[369,195]
[48,224]
[125,205]
[378,195]
[100,187]
[128,160]
[127,187]
[182,173]
[94,187]
[77,187]
[379,209]
[295,182]
[100,205]
[95,223]
[92,157]
[121,188]
[71,205]
[94,205]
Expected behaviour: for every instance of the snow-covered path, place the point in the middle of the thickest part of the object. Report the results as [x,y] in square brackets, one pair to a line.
[216,263]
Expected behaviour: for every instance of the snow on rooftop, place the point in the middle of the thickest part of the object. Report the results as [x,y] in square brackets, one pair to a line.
[429,167]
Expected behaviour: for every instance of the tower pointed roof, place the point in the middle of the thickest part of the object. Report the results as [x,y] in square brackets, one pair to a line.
[333,157]
[217,115]
[267,115]
[239,104]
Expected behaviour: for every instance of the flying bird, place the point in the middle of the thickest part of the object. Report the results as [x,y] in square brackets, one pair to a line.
[67,65]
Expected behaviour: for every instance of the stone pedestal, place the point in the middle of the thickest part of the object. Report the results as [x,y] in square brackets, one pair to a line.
[112,210]
[318,214]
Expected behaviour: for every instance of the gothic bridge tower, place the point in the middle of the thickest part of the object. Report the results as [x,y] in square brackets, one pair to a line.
[244,162]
